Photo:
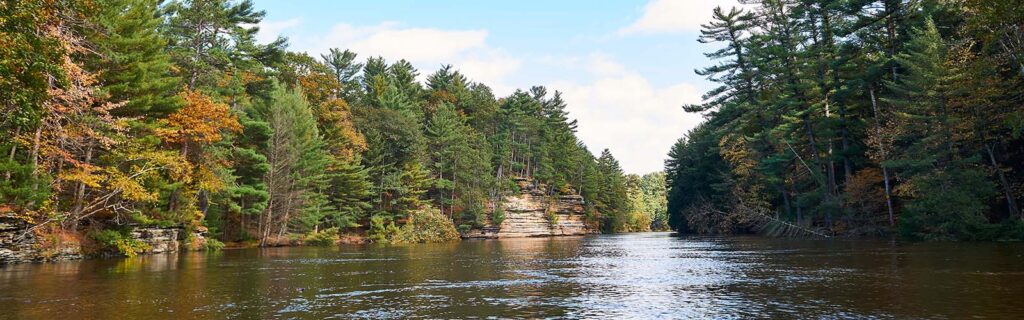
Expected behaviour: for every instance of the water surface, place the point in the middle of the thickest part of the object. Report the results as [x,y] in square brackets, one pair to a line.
[644,275]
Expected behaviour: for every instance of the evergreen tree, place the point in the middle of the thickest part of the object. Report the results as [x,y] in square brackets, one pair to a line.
[612,198]
[346,72]
[297,164]
[132,60]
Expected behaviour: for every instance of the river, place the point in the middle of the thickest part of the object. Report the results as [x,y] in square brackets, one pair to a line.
[642,275]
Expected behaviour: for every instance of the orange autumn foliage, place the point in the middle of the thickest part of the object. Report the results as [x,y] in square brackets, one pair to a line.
[201,120]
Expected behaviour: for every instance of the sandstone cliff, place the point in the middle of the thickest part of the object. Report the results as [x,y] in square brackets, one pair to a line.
[533,213]
[19,244]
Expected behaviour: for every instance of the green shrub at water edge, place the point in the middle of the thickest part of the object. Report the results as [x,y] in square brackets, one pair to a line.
[325,237]
[382,229]
[121,241]
[212,244]
[427,226]
[949,206]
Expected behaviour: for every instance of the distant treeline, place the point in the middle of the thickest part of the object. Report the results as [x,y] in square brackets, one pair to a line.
[858,117]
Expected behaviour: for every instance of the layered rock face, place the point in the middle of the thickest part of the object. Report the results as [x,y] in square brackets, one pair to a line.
[18,244]
[534,214]
[162,240]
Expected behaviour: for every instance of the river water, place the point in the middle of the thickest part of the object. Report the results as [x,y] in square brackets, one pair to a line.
[642,275]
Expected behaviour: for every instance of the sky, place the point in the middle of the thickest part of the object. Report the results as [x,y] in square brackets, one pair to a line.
[624,68]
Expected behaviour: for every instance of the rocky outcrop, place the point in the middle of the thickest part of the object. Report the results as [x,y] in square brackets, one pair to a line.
[19,244]
[533,213]
[173,239]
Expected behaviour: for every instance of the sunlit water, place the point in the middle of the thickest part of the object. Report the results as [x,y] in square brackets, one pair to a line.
[647,275]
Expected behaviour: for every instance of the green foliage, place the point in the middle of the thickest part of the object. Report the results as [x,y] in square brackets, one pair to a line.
[132,59]
[120,241]
[325,237]
[949,206]
[427,226]
[382,229]
[209,37]
[611,200]
[23,187]
[29,60]
[212,244]
[647,203]
[551,217]
[822,103]
[498,215]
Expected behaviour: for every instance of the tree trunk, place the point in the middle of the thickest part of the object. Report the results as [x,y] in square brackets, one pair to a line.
[34,155]
[284,221]
[10,156]
[892,8]
[76,210]
[881,154]
[1011,200]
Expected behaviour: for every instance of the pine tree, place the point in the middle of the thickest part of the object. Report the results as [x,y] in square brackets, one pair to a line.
[949,193]
[206,36]
[297,163]
[247,197]
[131,59]
[612,199]
[346,72]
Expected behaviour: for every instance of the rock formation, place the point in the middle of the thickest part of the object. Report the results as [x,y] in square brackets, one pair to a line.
[534,213]
[19,244]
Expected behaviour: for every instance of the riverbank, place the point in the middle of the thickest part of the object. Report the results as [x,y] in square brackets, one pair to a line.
[22,242]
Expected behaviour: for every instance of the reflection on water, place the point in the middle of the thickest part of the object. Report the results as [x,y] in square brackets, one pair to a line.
[648,275]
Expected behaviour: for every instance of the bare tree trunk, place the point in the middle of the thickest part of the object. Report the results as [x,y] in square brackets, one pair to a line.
[1011,200]
[287,212]
[76,210]
[10,156]
[34,155]
[451,207]
[881,154]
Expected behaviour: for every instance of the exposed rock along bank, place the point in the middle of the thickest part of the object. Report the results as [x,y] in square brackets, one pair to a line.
[532,213]
[19,244]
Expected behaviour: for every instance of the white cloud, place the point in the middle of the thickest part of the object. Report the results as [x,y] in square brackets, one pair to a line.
[490,67]
[426,48]
[667,16]
[413,44]
[270,30]
[623,111]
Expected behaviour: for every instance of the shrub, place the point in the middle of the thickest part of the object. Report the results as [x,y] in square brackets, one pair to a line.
[120,241]
[326,237]
[551,216]
[213,245]
[948,206]
[498,215]
[427,226]
[382,229]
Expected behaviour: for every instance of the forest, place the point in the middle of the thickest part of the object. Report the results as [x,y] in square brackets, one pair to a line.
[857,118]
[144,112]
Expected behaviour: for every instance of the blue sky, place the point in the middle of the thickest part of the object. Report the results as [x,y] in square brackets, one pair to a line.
[624,67]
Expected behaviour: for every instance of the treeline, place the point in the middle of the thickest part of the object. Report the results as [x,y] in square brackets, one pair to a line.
[119,112]
[647,207]
[858,117]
